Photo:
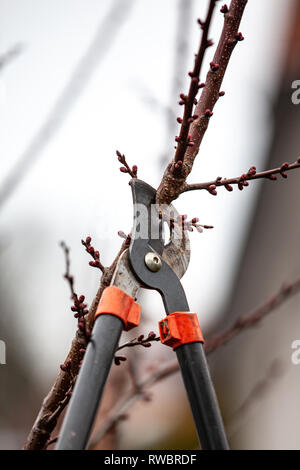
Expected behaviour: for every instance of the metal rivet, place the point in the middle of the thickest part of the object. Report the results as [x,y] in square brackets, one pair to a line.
[153,261]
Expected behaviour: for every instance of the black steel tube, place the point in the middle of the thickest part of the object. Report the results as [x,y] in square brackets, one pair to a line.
[91,380]
[90,383]
[202,397]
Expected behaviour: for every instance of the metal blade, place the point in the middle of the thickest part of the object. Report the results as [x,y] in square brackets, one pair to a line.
[123,277]
[177,252]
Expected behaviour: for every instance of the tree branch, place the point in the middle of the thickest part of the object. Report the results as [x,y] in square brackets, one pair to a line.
[94,254]
[253,318]
[184,16]
[174,179]
[140,341]
[189,100]
[242,181]
[126,168]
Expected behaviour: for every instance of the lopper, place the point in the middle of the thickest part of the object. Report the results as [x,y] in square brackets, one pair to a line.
[150,264]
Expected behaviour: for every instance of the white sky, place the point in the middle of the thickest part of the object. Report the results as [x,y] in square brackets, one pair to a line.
[75,188]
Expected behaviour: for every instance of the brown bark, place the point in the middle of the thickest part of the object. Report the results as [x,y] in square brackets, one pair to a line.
[174,182]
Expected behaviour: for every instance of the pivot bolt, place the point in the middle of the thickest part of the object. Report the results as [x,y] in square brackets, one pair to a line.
[153,262]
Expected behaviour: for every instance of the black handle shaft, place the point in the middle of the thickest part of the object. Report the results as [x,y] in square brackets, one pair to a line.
[202,397]
[93,375]
[90,383]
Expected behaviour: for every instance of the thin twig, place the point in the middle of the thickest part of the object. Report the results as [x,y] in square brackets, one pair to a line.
[41,430]
[10,55]
[79,308]
[133,370]
[254,317]
[140,341]
[93,253]
[212,91]
[259,391]
[242,181]
[183,23]
[189,100]
[101,43]
[126,168]
[69,278]
[174,179]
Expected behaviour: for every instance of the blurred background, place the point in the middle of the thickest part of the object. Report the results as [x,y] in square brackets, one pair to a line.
[80,79]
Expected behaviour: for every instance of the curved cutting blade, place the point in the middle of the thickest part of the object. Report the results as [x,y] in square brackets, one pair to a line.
[177,252]
[123,277]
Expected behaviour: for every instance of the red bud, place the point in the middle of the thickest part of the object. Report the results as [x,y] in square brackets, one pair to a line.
[239,37]
[284,166]
[151,335]
[228,187]
[208,113]
[224,9]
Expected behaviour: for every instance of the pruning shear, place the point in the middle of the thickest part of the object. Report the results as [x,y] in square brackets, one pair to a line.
[148,263]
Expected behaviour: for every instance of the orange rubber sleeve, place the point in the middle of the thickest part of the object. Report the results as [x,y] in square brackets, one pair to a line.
[116,302]
[180,328]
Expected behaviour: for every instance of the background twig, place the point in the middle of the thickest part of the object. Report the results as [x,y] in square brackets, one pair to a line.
[211,345]
[41,431]
[10,55]
[259,391]
[95,53]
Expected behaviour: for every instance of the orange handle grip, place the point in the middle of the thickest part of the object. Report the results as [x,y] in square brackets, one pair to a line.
[116,302]
[180,328]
